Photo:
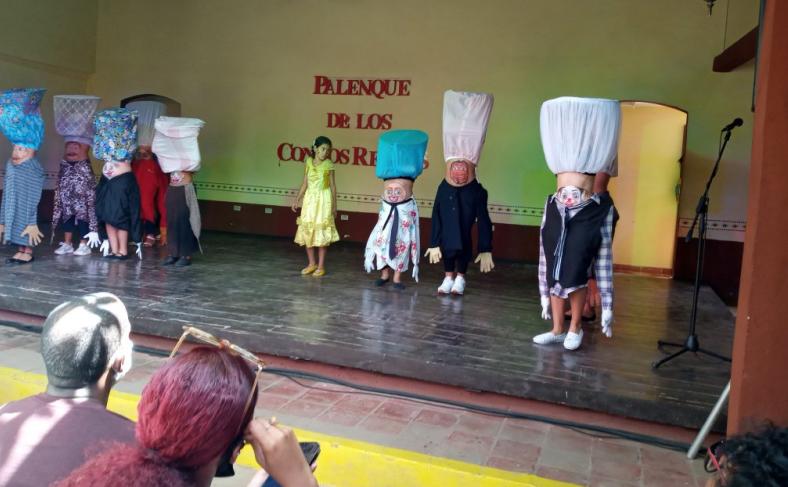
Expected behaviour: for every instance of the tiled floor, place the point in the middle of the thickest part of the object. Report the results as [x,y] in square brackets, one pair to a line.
[516,445]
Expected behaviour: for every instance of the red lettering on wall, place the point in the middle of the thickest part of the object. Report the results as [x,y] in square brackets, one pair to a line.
[377,87]
[374,121]
[338,120]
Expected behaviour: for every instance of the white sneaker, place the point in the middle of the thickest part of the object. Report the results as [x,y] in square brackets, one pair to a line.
[64,249]
[83,249]
[459,286]
[548,338]
[573,340]
[445,287]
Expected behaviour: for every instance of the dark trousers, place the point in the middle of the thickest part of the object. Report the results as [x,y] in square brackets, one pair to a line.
[181,241]
[456,261]
[72,225]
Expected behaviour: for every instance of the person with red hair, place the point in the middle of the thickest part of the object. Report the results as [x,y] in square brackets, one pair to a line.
[194,415]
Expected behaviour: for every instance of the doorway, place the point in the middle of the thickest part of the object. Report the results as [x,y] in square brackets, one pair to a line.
[646,192]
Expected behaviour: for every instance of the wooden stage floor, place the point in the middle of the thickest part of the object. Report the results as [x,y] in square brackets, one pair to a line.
[249,289]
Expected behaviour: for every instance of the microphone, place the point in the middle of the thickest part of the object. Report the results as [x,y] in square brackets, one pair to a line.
[737,122]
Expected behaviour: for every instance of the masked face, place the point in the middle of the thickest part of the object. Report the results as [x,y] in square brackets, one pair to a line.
[397,190]
[21,154]
[76,151]
[460,173]
[571,196]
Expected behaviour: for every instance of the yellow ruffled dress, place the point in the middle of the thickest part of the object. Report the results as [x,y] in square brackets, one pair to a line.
[316,226]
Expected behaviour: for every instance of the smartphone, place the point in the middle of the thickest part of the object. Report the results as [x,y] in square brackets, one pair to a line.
[310,449]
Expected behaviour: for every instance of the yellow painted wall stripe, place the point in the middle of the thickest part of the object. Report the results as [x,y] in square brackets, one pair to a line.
[343,462]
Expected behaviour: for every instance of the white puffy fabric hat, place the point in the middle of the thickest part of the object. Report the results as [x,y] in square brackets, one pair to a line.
[580,134]
[175,143]
[74,117]
[147,113]
[465,119]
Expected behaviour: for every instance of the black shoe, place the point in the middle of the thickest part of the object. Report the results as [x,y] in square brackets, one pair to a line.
[379,282]
[399,286]
[183,262]
[169,260]
[120,256]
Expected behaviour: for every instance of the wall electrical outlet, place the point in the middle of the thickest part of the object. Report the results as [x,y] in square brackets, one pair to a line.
[268,211]
[344,218]
[236,207]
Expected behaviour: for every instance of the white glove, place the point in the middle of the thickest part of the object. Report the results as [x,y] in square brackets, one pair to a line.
[34,235]
[104,248]
[434,254]
[607,322]
[93,239]
[139,249]
[485,261]
[545,301]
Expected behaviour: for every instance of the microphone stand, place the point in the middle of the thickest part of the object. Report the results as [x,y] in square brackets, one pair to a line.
[691,343]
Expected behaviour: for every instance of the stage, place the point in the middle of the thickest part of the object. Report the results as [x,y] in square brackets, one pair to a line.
[249,289]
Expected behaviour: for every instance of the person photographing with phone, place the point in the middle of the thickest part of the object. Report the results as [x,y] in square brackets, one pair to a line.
[285,462]
[194,415]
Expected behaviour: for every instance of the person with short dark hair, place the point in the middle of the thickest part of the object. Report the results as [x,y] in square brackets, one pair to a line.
[86,349]
[750,460]
[194,415]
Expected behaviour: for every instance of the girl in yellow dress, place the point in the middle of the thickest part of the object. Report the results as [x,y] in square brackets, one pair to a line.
[319,209]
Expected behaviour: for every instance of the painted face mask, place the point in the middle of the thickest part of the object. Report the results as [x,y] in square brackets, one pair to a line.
[458,172]
[570,196]
[397,190]
[108,169]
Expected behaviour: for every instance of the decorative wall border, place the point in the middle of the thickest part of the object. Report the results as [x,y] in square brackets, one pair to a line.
[372,199]
[717,225]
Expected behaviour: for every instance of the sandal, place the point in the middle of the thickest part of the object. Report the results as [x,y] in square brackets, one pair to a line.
[319,273]
[308,270]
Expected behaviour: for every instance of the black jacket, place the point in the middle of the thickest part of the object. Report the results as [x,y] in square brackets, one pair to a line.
[453,215]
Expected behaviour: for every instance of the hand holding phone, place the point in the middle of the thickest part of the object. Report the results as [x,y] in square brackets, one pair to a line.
[278,452]
[310,449]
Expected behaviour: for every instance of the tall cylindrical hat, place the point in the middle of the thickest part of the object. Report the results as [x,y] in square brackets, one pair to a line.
[74,117]
[580,134]
[401,154]
[465,119]
[20,116]
[115,136]
[175,143]
[147,113]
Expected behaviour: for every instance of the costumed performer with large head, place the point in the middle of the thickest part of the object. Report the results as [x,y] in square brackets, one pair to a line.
[21,123]
[580,138]
[461,200]
[394,242]
[75,193]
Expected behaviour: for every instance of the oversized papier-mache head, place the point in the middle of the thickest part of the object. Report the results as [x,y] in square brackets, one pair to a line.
[465,118]
[115,138]
[580,135]
[147,113]
[20,116]
[175,143]
[74,117]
